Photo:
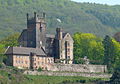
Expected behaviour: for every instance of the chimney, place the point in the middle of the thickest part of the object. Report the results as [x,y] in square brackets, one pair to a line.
[27,16]
[35,15]
[59,33]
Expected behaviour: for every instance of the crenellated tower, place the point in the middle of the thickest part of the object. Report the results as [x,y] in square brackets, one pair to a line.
[36,31]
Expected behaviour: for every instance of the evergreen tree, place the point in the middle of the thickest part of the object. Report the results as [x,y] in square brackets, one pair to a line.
[108,53]
[115,79]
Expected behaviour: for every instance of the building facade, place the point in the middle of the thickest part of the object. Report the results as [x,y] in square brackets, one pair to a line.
[39,49]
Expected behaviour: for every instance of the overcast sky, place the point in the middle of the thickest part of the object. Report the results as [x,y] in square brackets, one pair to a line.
[109,2]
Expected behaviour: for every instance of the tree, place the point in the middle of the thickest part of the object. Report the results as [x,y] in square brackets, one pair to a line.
[2,57]
[86,44]
[115,79]
[109,53]
[11,40]
[117,53]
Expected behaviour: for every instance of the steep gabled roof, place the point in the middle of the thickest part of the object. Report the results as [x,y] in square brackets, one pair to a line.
[24,33]
[67,35]
[64,34]
[24,51]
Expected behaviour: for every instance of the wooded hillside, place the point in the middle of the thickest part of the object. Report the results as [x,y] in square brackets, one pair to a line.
[80,17]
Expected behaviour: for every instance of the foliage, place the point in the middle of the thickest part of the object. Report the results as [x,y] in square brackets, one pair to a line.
[100,51]
[81,17]
[2,49]
[39,69]
[86,44]
[10,76]
[109,53]
[2,57]
[11,40]
[116,53]
[115,79]
[58,79]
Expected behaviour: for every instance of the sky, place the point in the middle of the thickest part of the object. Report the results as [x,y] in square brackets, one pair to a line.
[109,2]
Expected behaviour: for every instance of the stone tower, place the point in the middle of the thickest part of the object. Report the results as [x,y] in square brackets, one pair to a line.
[36,31]
[59,36]
[59,46]
[64,46]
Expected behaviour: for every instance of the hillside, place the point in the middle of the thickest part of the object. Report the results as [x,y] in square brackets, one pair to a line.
[11,75]
[75,17]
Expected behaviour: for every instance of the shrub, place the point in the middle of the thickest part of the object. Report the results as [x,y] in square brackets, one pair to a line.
[1,65]
[39,69]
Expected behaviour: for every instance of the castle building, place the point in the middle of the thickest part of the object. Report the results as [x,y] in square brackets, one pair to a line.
[39,49]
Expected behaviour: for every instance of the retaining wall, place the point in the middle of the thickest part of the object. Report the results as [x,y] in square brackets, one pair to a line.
[77,68]
[49,73]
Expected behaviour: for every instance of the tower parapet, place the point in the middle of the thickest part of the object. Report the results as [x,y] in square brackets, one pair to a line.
[36,28]
[36,18]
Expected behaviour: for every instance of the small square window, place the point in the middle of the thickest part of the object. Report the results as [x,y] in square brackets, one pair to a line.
[68,57]
[68,50]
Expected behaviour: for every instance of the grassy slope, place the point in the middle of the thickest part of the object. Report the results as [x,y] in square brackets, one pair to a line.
[11,75]
[75,16]
[56,79]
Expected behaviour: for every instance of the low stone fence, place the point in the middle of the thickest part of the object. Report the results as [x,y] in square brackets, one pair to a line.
[49,73]
[77,68]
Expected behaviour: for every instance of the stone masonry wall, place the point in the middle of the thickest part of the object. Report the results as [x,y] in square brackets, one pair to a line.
[78,68]
[49,73]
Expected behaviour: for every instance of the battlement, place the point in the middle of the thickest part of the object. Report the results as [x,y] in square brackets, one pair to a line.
[36,18]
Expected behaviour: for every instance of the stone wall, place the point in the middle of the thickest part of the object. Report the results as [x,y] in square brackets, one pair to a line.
[78,68]
[48,73]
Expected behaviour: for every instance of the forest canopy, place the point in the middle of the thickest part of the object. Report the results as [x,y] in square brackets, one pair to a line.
[94,18]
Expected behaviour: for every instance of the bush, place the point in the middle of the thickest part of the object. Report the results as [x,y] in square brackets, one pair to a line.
[115,79]
[39,69]
[1,65]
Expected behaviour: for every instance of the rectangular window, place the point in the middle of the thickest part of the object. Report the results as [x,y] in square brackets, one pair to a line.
[68,44]
[68,50]
[25,62]
[68,57]
[51,60]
